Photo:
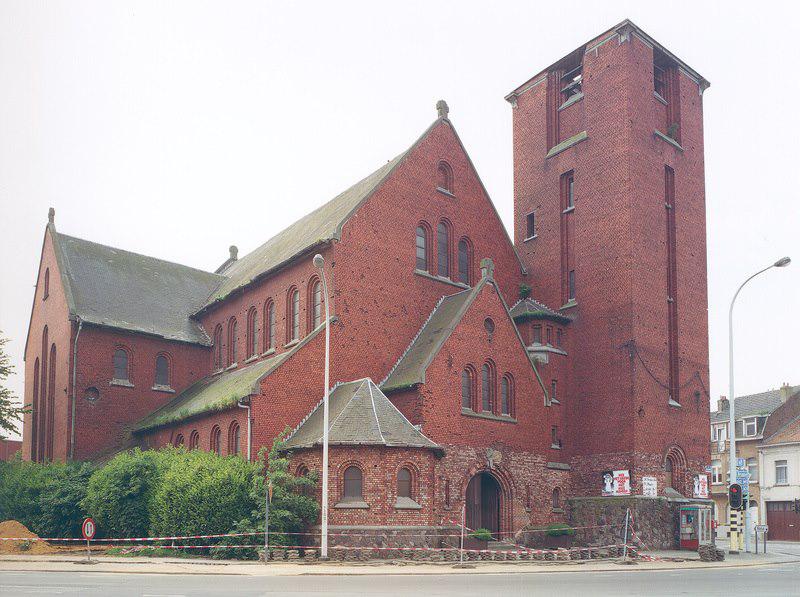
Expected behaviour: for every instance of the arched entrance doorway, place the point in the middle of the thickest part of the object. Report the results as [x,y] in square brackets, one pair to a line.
[483,503]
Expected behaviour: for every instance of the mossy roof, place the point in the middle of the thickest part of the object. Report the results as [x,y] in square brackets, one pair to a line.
[529,308]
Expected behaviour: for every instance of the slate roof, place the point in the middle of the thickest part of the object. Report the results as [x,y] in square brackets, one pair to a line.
[788,433]
[529,308]
[755,404]
[218,392]
[410,369]
[360,414]
[129,291]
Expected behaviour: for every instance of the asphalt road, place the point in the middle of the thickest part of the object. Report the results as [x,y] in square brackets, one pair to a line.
[762,580]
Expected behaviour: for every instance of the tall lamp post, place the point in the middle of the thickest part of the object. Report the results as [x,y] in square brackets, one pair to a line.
[734,535]
[319,263]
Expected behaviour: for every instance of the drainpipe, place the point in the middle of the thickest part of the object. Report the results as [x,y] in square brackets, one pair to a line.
[74,390]
[249,426]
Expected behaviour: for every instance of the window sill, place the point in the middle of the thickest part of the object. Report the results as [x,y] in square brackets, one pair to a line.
[558,510]
[555,401]
[530,238]
[251,359]
[569,304]
[536,347]
[573,99]
[555,446]
[445,192]
[674,404]
[405,503]
[231,366]
[269,353]
[659,135]
[217,372]
[564,145]
[442,279]
[658,96]
[569,210]
[488,416]
[292,343]
[354,505]
[123,383]
[159,388]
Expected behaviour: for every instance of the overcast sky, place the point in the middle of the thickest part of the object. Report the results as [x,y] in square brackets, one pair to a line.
[176,129]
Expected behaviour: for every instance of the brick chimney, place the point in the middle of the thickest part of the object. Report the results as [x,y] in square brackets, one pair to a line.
[722,403]
[786,392]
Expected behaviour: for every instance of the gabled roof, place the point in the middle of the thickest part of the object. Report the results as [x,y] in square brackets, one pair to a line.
[115,288]
[219,392]
[529,308]
[790,432]
[359,414]
[410,369]
[753,405]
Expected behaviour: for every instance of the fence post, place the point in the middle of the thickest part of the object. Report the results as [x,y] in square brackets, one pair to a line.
[266,524]
[463,522]
[625,544]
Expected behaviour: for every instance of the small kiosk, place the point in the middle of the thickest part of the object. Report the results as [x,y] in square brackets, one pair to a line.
[695,526]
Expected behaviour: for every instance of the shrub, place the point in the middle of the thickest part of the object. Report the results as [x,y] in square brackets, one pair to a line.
[119,495]
[482,534]
[558,529]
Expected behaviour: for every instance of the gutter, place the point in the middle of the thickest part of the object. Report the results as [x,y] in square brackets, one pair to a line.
[74,389]
[241,404]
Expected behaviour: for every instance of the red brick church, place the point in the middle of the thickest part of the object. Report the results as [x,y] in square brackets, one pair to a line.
[466,367]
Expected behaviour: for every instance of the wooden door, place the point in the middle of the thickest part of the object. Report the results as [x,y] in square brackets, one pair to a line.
[490,503]
[783,522]
[473,498]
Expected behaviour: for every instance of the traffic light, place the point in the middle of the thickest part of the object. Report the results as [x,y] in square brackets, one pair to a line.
[735,496]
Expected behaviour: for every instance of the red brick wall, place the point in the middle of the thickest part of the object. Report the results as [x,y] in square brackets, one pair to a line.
[9,448]
[167,436]
[618,413]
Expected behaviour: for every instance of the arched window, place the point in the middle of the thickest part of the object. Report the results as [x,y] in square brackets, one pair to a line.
[232,331]
[422,248]
[217,348]
[51,404]
[233,438]
[464,261]
[194,440]
[121,365]
[216,444]
[467,383]
[46,284]
[305,489]
[353,484]
[293,316]
[162,370]
[178,440]
[556,499]
[443,249]
[252,332]
[42,418]
[668,481]
[269,323]
[315,301]
[404,483]
[507,395]
[445,177]
[487,387]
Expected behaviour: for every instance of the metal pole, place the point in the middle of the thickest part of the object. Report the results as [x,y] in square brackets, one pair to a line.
[320,263]
[625,545]
[266,525]
[88,552]
[463,522]
[734,539]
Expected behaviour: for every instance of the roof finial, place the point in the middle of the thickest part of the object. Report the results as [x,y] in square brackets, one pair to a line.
[487,268]
[51,215]
[234,251]
[442,109]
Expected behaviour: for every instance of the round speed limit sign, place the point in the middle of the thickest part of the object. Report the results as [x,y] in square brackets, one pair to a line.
[88,528]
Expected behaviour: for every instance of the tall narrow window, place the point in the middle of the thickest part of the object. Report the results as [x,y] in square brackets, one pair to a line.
[51,404]
[233,438]
[554,436]
[353,484]
[567,191]
[487,387]
[466,389]
[537,334]
[316,304]
[506,395]
[269,323]
[42,429]
[216,434]
[422,248]
[194,440]
[554,390]
[293,319]
[162,370]
[404,483]
[217,348]
[530,225]
[121,365]
[46,284]
[252,332]
[464,261]
[571,295]
[570,191]
[781,472]
[556,499]
[672,286]
[443,249]
[571,82]
[445,177]
[232,332]
[178,442]
[35,412]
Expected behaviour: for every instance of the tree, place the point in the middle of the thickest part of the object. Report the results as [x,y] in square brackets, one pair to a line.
[10,413]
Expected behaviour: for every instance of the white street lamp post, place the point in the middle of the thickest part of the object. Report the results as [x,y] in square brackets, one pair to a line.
[319,263]
[734,538]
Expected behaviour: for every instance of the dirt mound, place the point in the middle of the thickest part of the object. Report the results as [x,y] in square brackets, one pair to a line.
[12,528]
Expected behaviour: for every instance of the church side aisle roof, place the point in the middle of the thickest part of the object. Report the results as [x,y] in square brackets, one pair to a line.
[115,288]
[360,414]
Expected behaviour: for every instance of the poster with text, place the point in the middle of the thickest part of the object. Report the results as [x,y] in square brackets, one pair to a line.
[701,486]
[616,483]
[649,487]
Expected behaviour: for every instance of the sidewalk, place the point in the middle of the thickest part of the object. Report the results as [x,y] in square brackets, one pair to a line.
[669,560]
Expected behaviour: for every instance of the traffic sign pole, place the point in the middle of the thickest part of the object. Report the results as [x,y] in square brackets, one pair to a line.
[88,529]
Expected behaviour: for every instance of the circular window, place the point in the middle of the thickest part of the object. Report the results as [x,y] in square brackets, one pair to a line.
[91,395]
[489,325]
